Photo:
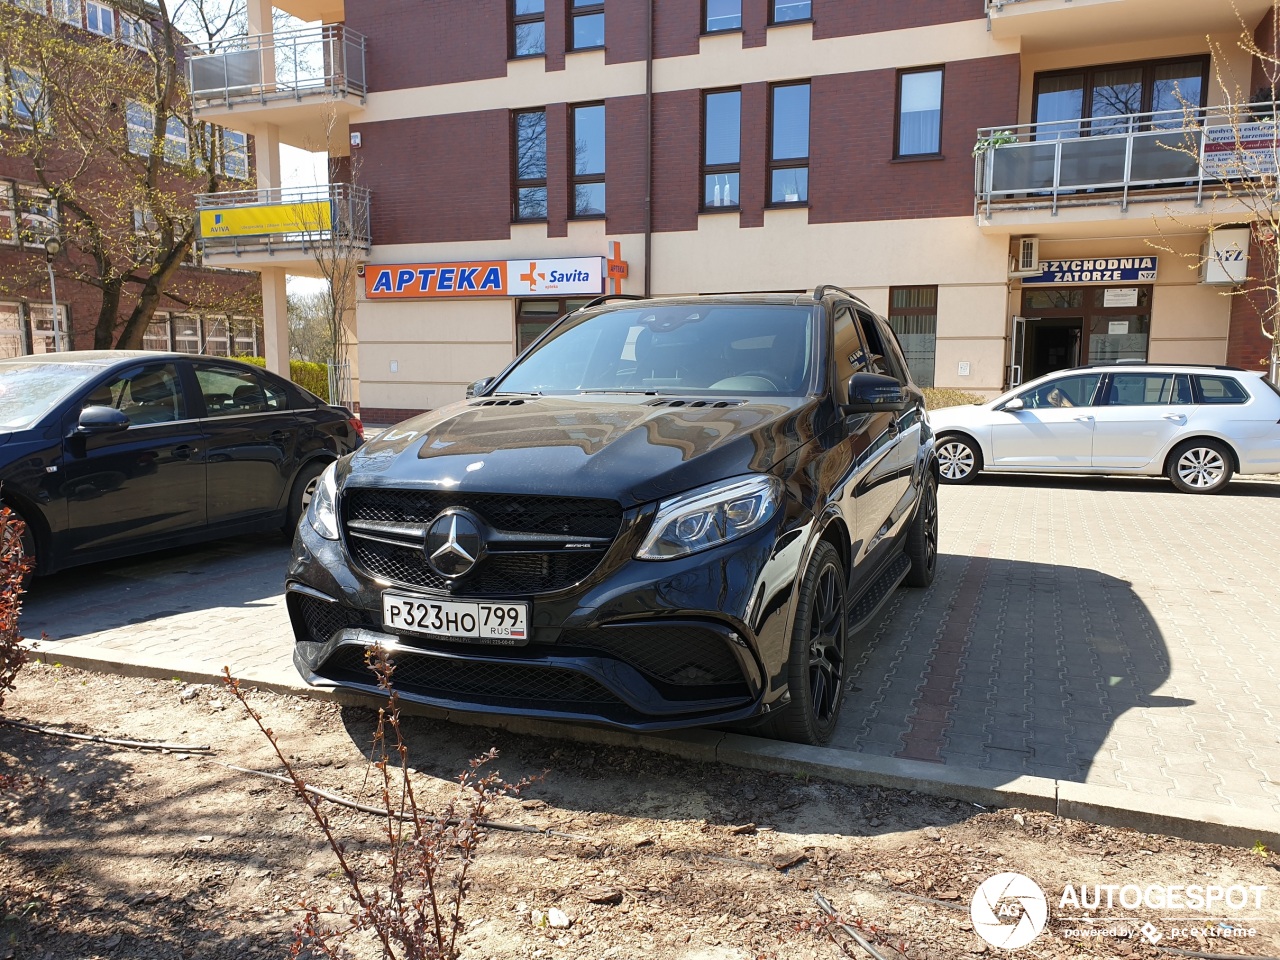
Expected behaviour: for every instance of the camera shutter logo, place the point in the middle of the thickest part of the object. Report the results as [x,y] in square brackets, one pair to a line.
[1009,910]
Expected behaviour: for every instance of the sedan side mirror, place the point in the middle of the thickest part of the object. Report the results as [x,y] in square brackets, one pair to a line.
[479,387]
[1014,404]
[94,420]
[875,393]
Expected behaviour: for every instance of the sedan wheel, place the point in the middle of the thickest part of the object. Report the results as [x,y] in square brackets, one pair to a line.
[1200,466]
[304,488]
[959,459]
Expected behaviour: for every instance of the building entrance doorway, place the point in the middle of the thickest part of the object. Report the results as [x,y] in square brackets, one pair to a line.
[1053,344]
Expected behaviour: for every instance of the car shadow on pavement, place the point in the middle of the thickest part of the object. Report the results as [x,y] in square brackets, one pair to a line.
[1251,486]
[1005,665]
[228,574]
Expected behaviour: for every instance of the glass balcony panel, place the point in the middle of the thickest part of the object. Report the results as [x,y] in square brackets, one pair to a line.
[1092,162]
[1020,167]
[1159,157]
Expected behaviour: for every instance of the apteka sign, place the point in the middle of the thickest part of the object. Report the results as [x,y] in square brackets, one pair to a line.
[485,278]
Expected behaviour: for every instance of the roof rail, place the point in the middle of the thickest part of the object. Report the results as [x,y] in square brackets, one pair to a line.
[822,289]
[1153,363]
[610,296]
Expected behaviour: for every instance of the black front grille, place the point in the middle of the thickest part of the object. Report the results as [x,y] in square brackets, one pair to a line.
[570,516]
[490,684]
[503,572]
[323,619]
[497,575]
[679,655]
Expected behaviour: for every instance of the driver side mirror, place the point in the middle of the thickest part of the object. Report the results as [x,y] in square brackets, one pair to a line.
[95,420]
[479,387]
[875,393]
[1014,404]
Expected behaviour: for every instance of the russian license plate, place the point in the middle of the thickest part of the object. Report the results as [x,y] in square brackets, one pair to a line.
[500,622]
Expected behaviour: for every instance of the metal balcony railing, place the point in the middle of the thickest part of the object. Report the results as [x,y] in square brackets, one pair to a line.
[321,221]
[1123,159]
[291,64]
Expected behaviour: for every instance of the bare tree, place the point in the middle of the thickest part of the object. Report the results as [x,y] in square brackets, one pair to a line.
[107,128]
[310,326]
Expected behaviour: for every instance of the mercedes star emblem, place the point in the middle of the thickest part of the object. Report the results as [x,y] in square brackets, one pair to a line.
[454,543]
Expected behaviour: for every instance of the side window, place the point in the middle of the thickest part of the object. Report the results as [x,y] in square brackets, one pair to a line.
[846,347]
[230,393]
[1220,390]
[879,358]
[895,356]
[144,395]
[1140,389]
[1182,389]
[1063,392]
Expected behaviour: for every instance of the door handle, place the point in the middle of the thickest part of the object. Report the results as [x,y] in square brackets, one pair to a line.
[1176,417]
[184,452]
[1084,419]
[279,436]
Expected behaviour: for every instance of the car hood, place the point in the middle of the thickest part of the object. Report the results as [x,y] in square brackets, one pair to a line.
[965,415]
[632,449]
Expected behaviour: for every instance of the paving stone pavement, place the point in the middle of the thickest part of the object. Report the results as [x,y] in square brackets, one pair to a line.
[1105,631]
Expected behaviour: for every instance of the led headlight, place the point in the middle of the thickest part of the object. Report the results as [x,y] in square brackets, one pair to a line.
[322,513]
[711,515]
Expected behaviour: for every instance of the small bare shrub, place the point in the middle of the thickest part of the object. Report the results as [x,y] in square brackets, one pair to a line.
[15,568]
[413,906]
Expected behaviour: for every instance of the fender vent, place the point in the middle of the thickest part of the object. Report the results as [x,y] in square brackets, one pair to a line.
[513,402]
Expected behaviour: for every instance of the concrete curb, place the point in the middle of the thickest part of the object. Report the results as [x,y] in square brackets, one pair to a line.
[1109,806]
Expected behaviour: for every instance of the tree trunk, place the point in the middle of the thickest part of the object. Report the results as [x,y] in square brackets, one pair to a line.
[104,333]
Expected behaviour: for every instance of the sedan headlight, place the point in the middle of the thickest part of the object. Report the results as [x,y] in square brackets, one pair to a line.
[711,515]
[322,512]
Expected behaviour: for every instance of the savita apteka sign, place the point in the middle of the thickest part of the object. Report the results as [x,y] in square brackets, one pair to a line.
[560,277]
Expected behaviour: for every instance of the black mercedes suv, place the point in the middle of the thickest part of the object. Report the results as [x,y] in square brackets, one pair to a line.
[664,513]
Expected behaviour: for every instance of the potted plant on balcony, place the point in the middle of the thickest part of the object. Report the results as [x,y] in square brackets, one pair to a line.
[996,138]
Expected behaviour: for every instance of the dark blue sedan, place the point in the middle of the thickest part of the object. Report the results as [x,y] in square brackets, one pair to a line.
[109,453]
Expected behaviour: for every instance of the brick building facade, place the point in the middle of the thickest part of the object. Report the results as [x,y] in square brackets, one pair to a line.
[772,145]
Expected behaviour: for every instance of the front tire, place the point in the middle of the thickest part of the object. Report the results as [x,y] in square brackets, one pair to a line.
[922,538]
[1200,466]
[304,488]
[959,459]
[816,668]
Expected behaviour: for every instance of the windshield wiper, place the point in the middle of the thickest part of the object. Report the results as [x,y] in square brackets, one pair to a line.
[636,393]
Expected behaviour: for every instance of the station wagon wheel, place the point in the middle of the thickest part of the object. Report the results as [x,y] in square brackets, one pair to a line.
[304,488]
[1200,466]
[959,458]
[817,668]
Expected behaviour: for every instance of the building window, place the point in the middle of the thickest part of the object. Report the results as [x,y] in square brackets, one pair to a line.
[68,11]
[186,333]
[235,154]
[530,140]
[216,341]
[35,6]
[177,149]
[721,148]
[100,18]
[533,317]
[244,332]
[789,144]
[135,31]
[528,28]
[587,137]
[913,314]
[138,128]
[586,27]
[37,215]
[720,15]
[789,11]
[24,102]
[157,336]
[919,113]
[1109,96]
[12,341]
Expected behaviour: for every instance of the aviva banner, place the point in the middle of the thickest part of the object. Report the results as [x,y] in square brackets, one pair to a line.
[312,217]
[485,278]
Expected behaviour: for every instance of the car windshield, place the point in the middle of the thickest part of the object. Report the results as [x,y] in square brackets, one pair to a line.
[31,388]
[756,349]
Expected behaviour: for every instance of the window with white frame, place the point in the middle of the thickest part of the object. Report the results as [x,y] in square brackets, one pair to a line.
[177,149]
[68,11]
[245,336]
[36,6]
[135,31]
[8,214]
[100,18]
[139,125]
[235,154]
[44,331]
[37,215]
[23,100]
[157,335]
[12,342]
[216,341]
[186,333]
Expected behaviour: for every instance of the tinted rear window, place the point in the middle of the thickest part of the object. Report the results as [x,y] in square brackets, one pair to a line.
[1221,389]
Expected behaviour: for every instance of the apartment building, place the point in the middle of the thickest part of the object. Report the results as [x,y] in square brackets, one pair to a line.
[48,302]
[1002,180]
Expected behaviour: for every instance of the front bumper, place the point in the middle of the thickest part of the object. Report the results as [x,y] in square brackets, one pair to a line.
[640,645]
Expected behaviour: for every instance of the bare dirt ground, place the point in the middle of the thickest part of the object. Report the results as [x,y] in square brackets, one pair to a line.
[110,852]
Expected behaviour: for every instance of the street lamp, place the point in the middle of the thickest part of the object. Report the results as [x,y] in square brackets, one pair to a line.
[52,247]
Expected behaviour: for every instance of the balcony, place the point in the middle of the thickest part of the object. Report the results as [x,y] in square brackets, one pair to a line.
[296,79]
[1064,24]
[298,228]
[1096,170]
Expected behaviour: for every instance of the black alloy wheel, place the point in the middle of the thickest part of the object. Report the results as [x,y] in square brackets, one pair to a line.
[817,668]
[922,539]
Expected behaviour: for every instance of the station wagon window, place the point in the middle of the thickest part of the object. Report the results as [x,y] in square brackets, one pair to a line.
[528,28]
[1142,389]
[1075,391]
[229,393]
[144,395]
[1220,390]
